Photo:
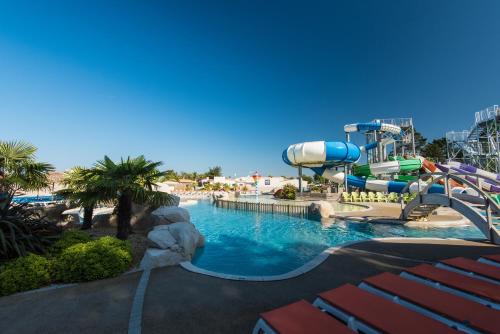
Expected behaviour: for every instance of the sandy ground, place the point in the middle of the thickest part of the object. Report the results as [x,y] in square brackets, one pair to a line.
[390,212]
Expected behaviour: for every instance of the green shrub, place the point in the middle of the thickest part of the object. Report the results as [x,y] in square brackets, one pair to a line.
[103,258]
[288,192]
[68,239]
[25,273]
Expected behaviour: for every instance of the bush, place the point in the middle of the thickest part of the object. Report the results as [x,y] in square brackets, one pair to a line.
[68,239]
[25,273]
[288,192]
[103,258]
[23,231]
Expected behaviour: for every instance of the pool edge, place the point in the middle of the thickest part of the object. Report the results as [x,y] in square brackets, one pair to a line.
[308,266]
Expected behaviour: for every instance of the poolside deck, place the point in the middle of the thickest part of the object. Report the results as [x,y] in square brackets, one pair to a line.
[183,302]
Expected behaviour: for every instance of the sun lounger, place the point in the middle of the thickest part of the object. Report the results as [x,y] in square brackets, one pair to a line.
[368,313]
[474,289]
[492,260]
[297,318]
[346,197]
[423,299]
[472,268]
[448,308]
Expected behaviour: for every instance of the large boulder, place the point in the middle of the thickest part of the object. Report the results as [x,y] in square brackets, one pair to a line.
[172,214]
[155,257]
[187,237]
[320,209]
[175,243]
[161,238]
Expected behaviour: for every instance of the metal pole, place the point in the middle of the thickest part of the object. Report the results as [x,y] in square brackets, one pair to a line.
[346,170]
[413,137]
[300,180]
[346,167]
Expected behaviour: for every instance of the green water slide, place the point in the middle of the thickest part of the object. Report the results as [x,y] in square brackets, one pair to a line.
[397,165]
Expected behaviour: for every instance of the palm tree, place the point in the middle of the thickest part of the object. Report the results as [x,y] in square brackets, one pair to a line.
[82,189]
[19,170]
[129,181]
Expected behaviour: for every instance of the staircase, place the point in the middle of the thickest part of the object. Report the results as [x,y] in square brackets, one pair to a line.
[422,211]
[495,216]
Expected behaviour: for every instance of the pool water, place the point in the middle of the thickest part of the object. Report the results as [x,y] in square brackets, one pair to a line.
[259,244]
[35,199]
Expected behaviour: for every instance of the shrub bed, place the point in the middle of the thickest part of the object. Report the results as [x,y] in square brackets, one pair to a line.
[25,273]
[68,239]
[75,257]
[103,258]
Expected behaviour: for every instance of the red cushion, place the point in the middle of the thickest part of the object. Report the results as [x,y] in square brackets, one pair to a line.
[301,317]
[443,303]
[381,314]
[473,266]
[457,281]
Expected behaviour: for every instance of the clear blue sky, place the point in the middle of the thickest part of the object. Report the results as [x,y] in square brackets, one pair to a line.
[232,83]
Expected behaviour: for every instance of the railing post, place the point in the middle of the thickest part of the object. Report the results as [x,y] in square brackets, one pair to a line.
[489,219]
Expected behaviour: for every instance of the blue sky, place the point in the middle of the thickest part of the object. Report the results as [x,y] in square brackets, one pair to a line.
[231,83]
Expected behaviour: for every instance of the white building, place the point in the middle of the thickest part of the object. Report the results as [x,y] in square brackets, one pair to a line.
[265,183]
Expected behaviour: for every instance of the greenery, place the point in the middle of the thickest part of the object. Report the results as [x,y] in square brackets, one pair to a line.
[171,175]
[288,192]
[436,150]
[129,181]
[307,178]
[25,273]
[83,190]
[68,239]
[103,258]
[23,231]
[19,170]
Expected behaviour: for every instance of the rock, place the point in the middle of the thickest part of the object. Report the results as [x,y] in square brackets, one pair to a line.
[161,238]
[320,209]
[172,214]
[155,257]
[201,241]
[172,244]
[187,237]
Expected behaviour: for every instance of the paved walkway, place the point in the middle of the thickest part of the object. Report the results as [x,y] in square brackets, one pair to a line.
[178,301]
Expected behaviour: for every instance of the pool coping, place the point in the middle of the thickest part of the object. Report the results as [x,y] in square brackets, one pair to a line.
[308,266]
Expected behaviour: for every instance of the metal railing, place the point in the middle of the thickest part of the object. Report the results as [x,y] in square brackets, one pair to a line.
[275,208]
[490,205]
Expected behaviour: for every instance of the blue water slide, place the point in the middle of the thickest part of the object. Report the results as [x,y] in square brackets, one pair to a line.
[321,153]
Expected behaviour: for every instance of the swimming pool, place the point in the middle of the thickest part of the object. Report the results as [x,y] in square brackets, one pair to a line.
[35,199]
[262,244]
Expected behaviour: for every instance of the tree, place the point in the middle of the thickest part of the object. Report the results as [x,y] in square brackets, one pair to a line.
[420,142]
[130,180]
[82,189]
[170,175]
[19,170]
[214,171]
[436,150]
[307,178]
[320,179]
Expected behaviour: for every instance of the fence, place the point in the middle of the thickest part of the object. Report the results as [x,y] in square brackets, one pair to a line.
[288,209]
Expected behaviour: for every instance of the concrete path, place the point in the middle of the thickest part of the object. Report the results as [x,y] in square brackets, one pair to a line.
[178,301]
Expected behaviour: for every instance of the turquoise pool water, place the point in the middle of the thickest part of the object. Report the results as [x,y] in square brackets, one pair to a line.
[257,244]
[35,199]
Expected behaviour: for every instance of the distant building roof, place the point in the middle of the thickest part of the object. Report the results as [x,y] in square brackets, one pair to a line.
[187,181]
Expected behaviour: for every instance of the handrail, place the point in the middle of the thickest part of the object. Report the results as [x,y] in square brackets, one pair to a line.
[438,176]
[455,176]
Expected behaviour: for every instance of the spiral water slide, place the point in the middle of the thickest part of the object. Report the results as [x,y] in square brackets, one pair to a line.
[323,156]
